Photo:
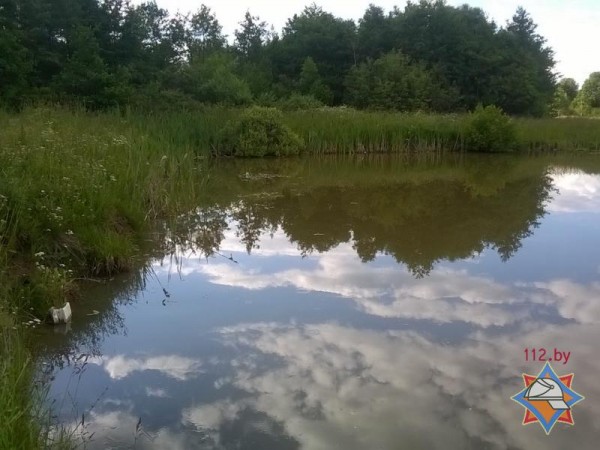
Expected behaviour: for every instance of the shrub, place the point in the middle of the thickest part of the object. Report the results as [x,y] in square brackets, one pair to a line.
[258,132]
[490,130]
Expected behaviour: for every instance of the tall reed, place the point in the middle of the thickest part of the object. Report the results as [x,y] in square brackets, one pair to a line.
[346,131]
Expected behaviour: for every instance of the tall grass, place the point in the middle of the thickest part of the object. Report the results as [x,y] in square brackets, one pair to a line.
[18,406]
[346,131]
[26,418]
[79,193]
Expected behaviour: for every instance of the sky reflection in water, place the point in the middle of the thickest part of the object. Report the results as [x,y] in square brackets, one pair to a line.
[362,335]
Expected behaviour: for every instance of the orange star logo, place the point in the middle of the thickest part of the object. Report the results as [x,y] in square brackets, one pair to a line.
[548,398]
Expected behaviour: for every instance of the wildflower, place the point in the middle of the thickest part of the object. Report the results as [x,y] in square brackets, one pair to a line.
[39,254]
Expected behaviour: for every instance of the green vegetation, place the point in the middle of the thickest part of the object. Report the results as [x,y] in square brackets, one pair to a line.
[587,101]
[490,130]
[77,191]
[17,405]
[392,82]
[346,130]
[76,195]
[26,418]
[429,56]
[258,132]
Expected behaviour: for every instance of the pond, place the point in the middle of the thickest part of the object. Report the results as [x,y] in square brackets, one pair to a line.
[346,303]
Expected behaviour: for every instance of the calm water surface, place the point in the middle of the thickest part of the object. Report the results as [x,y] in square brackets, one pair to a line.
[343,303]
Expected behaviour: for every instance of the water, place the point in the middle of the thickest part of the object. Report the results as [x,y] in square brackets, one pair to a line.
[346,304]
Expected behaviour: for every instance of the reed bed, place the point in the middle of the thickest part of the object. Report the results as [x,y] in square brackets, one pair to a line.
[347,131]
[339,130]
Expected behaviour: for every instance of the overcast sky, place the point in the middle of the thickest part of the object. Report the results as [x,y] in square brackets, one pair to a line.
[572,27]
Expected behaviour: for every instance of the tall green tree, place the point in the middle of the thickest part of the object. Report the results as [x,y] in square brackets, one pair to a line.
[394,82]
[213,80]
[450,57]
[328,40]
[85,76]
[565,93]
[205,35]
[251,41]
[251,37]
[457,43]
[311,83]
[374,34]
[15,60]
[525,82]
[570,87]
[588,97]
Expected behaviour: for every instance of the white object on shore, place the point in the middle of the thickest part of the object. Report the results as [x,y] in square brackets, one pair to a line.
[60,315]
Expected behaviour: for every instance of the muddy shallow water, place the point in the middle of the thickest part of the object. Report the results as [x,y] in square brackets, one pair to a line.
[347,303]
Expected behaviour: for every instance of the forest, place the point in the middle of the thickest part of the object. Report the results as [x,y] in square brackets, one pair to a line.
[429,57]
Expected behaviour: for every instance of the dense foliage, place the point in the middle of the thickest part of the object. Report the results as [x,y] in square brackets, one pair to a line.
[587,101]
[258,132]
[429,56]
[490,130]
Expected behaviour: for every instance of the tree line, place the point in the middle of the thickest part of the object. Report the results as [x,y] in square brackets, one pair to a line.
[428,56]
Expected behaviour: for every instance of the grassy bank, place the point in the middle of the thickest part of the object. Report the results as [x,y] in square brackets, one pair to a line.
[78,195]
[343,130]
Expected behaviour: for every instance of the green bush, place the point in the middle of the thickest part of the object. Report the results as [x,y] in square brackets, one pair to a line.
[258,132]
[490,130]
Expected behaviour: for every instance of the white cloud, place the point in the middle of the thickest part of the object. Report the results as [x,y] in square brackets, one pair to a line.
[339,387]
[446,295]
[577,192]
[173,366]
[156,392]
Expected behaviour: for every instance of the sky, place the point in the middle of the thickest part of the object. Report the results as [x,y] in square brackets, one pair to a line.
[570,26]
